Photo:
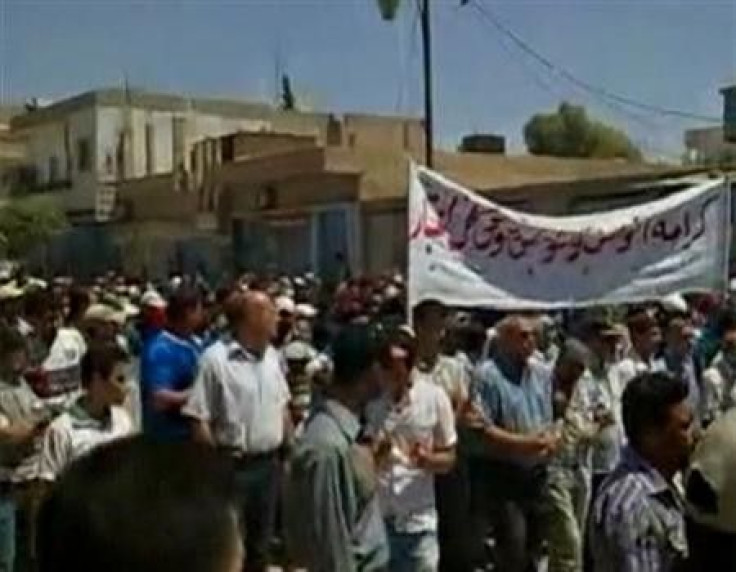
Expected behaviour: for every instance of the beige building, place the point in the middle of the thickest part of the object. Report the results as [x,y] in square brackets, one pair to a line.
[708,146]
[12,155]
[294,202]
[83,147]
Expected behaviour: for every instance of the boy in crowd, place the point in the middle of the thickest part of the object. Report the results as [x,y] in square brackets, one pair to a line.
[414,418]
[98,416]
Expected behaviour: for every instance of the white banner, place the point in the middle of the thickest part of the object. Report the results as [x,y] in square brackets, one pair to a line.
[467,251]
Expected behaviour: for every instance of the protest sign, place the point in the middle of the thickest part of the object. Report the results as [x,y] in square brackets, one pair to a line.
[465,250]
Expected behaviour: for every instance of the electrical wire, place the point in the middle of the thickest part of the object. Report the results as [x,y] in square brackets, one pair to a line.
[601,92]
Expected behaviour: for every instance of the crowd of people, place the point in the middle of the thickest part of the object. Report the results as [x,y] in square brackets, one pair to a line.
[172,426]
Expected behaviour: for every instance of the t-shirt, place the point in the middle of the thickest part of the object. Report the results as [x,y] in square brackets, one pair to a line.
[18,403]
[74,433]
[406,492]
[168,363]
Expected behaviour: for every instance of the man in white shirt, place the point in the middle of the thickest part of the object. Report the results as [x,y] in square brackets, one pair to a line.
[95,418]
[719,380]
[449,373]
[646,341]
[414,424]
[240,404]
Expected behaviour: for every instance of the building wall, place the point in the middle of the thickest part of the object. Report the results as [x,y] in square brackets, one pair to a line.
[383,132]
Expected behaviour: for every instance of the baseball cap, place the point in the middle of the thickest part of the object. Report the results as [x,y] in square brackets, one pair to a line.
[10,291]
[299,351]
[711,481]
[152,299]
[602,327]
[285,305]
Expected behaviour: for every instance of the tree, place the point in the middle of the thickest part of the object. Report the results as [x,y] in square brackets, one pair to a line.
[26,224]
[569,132]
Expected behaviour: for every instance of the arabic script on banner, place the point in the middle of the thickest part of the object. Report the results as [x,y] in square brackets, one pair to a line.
[466,250]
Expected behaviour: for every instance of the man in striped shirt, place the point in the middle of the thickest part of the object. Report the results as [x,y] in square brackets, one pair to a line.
[638,523]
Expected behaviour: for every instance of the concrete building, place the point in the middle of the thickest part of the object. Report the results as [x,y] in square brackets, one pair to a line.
[85,146]
[12,155]
[708,146]
[291,202]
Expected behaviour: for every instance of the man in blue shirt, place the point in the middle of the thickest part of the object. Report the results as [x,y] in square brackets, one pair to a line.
[168,367]
[637,522]
[513,393]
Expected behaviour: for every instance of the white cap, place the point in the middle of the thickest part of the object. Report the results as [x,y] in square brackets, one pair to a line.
[103,313]
[391,292]
[285,304]
[674,303]
[152,299]
[306,311]
[10,291]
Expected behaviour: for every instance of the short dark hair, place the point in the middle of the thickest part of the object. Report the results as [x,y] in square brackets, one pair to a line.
[101,358]
[37,303]
[11,340]
[354,350]
[181,301]
[647,400]
[142,505]
[79,301]
[423,309]
[395,339]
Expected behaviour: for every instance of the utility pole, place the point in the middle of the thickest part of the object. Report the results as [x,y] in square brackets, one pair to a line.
[426,22]
[389,9]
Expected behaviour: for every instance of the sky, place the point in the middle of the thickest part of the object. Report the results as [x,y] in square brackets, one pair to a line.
[341,56]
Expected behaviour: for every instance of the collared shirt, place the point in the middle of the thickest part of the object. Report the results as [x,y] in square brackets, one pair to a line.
[450,374]
[242,396]
[637,523]
[719,387]
[74,433]
[632,365]
[168,363]
[333,516]
[18,403]
[517,400]
[609,382]
[425,418]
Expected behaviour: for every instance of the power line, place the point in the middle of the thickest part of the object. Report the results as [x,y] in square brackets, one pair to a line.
[403,94]
[599,91]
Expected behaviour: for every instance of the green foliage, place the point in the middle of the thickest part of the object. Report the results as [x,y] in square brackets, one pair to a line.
[569,132]
[26,224]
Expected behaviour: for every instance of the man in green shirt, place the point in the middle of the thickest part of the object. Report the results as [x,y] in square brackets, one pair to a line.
[333,518]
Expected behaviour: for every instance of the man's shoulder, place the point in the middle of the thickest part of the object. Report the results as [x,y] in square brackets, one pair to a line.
[425,391]
[215,352]
[322,437]
[61,425]
[624,495]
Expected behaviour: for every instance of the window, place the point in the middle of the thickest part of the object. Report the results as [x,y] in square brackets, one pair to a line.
[84,155]
[150,148]
[334,132]
[228,148]
[53,169]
